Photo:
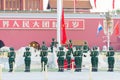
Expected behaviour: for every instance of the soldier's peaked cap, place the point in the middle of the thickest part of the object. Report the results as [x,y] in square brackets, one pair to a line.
[11,48]
[53,39]
[85,42]
[43,42]
[95,48]
[110,48]
[61,48]
[27,48]
[70,40]
[77,47]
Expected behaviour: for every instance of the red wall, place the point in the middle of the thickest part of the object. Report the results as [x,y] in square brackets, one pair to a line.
[19,38]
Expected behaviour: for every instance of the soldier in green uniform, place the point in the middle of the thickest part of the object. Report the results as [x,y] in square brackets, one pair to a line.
[85,47]
[94,59]
[68,58]
[43,45]
[78,58]
[70,46]
[111,60]
[27,55]
[43,55]
[53,44]
[60,56]
[11,56]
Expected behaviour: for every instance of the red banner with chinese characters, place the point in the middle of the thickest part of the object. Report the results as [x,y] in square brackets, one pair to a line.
[42,23]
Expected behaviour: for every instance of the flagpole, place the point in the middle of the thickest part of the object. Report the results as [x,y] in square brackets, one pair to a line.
[113,4]
[95,3]
[59,14]
[74,6]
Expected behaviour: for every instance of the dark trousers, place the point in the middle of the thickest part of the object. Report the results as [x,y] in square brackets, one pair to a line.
[27,65]
[61,65]
[78,63]
[94,61]
[11,65]
[111,62]
[68,62]
[44,60]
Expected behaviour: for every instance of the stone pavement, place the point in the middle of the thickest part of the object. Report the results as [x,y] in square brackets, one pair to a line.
[61,76]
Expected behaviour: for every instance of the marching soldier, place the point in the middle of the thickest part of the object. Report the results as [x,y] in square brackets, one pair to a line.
[43,55]
[111,60]
[53,44]
[27,55]
[70,46]
[68,58]
[78,58]
[11,56]
[94,59]
[60,56]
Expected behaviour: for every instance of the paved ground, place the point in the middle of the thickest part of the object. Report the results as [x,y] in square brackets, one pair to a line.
[61,76]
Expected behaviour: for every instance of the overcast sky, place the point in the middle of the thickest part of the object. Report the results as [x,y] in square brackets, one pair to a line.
[104,5]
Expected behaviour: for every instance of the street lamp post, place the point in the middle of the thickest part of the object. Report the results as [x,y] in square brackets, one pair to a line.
[108,39]
[108,27]
[59,13]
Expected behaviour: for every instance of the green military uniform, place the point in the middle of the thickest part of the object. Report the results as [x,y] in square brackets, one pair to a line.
[11,56]
[43,55]
[70,46]
[85,47]
[78,58]
[53,44]
[111,60]
[68,58]
[60,56]
[27,59]
[94,59]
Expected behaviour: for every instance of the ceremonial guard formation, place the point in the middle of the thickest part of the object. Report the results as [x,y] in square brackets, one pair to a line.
[11,56]
[111,60]
[60,56]
[43,55]
[77,55]
[94,59]
[27,59]
[78,58]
